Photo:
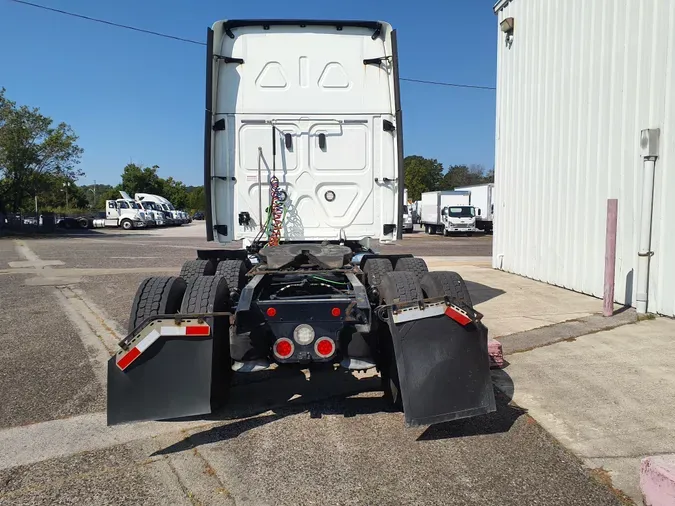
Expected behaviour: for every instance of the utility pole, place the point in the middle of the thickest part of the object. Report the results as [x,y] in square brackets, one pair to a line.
[66,185]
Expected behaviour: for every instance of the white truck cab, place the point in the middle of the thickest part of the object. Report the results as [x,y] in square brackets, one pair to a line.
[177,217]
[124,213]
[152,216]
[460,219]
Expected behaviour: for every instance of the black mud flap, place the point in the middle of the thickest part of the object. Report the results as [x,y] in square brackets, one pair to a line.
[443,368]
[175,376]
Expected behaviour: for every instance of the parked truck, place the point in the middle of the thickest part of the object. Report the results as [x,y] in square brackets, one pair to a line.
[153,216]
[448,212]
[294,110]
[407,221]
[172,215]
[122,213]
[481,197]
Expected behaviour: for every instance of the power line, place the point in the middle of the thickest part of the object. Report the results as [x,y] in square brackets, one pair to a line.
[110,23]
[198,43]
[455,85]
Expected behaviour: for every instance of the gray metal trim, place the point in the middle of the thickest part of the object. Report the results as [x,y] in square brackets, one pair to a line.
[246,296]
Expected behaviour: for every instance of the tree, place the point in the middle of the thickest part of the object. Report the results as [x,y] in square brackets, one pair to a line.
[138,179]
[462,175]
[196,198]
[175,192]
[421,175]
[33,152]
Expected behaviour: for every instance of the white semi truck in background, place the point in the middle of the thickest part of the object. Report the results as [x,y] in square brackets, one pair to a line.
[407,221]
[295,110]
[123,213]
[481,198]
[448,212]
[153,215]
[176,217]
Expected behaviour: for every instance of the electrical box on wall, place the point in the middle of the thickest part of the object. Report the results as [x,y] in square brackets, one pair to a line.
[649,142]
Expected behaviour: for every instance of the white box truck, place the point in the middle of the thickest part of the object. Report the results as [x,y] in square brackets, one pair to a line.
[303,164]
[482,199]
[447,212]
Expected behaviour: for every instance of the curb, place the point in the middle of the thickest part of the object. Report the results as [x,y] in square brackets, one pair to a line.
[657,480]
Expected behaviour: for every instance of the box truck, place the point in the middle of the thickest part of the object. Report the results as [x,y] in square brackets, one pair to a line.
[448,212]
[481,197]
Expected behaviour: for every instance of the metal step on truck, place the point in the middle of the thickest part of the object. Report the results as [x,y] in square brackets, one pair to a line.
[303,163]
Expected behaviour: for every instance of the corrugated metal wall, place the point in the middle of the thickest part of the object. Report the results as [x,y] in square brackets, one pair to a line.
[579,82]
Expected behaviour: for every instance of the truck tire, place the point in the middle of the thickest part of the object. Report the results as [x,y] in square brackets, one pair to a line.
[127,224]
[396,287]
[234,272]
[376,269]
[450,284]
[415,265]
[210,294]
[193,268]
[157,295]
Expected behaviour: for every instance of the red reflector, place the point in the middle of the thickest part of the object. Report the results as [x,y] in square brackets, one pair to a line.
[460,317]
[325,347]
[336,311]
[197,330]
[127,359]
[271,312]
[283,348]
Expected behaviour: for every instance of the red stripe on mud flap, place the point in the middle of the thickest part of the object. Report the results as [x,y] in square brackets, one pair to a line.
[459,316]
[127,359]
[197,330]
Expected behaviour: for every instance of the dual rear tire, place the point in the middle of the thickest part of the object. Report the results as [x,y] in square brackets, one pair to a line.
[411,286]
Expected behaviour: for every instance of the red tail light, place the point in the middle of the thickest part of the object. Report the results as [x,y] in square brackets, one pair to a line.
[283,348]
[336,312]
[271,312]
[324,347]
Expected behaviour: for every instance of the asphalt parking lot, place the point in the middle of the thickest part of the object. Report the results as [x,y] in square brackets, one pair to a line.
[314,439]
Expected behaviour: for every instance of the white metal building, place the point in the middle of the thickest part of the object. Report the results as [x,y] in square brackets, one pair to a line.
[577,82]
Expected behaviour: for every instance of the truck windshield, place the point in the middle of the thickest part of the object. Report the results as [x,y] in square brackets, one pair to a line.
[171,206]
[405,209]
[134,205]
[461,212]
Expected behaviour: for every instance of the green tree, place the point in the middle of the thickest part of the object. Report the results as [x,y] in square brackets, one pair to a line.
[463,175]
[196,198]
[175,191]
[138,179]
[421,175]
[32,153]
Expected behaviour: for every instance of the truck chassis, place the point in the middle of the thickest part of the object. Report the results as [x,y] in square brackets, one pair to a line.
[294,305]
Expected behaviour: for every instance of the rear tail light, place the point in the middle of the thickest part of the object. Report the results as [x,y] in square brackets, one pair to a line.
[335,312]
[283,348]
[324,347]
[271,312]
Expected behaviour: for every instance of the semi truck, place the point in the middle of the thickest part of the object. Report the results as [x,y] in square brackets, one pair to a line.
[481,198]
[173,216]
[448,212]
[407,221]
[295,110]
[153,216]
[122,213]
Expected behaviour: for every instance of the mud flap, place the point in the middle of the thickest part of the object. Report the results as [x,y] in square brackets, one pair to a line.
[443,368]
[162,374]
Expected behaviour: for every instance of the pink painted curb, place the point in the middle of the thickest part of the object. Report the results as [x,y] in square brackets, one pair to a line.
[496,354]
[657,480]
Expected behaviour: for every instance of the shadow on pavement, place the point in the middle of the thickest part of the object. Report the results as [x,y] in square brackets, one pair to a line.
[482,293]
[250,400]
[494,423]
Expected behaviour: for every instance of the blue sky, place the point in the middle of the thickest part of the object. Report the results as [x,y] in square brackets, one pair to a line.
[135,97]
